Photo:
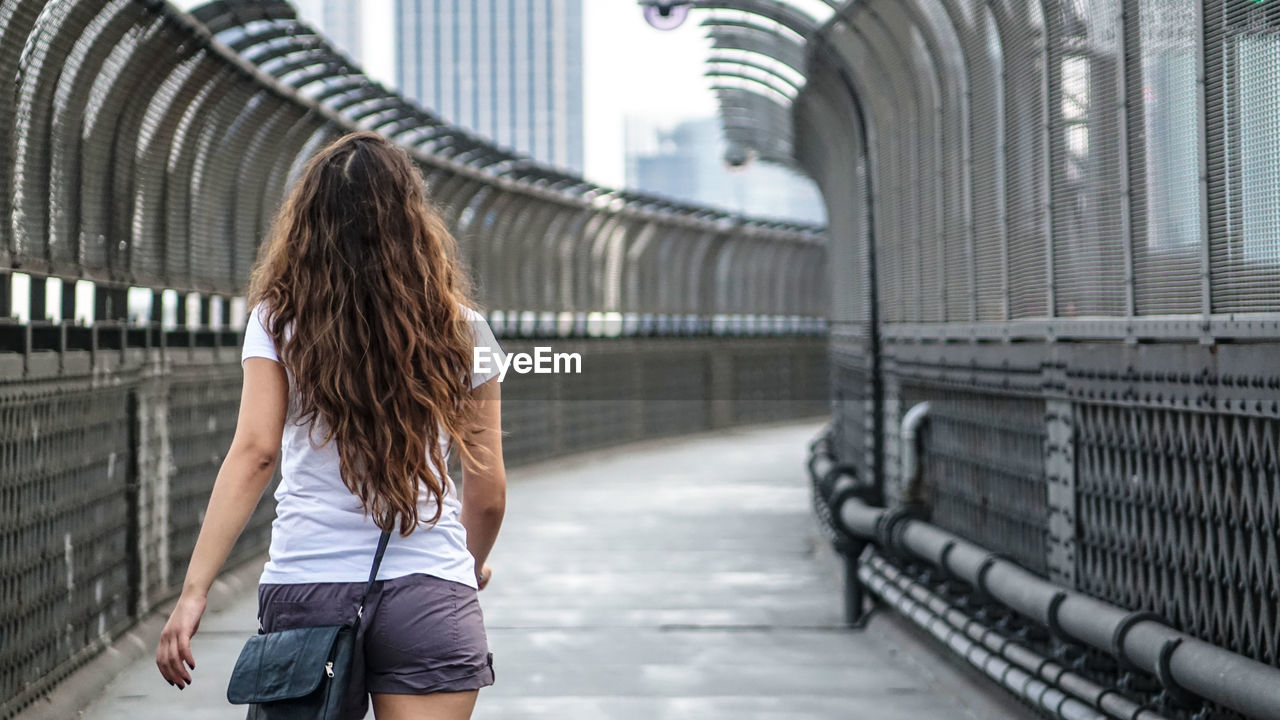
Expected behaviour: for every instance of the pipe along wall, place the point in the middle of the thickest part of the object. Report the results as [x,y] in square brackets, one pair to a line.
[1186,667]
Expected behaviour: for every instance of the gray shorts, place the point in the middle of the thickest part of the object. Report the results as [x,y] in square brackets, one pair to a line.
[419,634]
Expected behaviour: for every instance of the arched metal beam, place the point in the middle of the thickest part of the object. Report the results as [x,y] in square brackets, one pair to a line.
[223,15]
[266,33]
[792,18]
[748,109]
[772,72]
[719,73]
[768,45]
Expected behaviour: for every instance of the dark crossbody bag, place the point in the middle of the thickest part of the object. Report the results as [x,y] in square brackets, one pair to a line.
[299,673]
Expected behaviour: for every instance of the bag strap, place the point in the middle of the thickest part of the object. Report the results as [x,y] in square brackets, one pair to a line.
[373,571]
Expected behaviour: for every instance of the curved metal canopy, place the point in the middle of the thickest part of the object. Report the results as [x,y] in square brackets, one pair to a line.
[269,34]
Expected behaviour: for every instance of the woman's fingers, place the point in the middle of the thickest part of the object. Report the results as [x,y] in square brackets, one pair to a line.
[176,671]
[173,653]
[177,651]
[160,664]
[174,649]
[164,660]
[184,651]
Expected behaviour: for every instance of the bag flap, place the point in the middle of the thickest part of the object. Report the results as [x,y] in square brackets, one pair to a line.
[282,665]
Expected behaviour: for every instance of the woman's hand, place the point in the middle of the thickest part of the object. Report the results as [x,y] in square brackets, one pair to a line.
[175,641]
[482,577]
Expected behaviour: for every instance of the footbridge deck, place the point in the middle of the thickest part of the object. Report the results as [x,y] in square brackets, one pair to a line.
[668,579]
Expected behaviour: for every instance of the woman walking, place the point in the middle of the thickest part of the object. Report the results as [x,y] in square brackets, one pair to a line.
[358,379]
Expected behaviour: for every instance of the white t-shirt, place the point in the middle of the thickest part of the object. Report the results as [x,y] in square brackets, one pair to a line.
[321,533]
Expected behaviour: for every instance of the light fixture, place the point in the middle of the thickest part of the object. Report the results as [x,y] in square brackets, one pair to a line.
[665,14]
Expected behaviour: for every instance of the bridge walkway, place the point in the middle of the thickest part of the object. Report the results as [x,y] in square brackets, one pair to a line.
[676,579]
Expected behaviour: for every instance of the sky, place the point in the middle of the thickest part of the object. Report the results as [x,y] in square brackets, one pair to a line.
[634,70]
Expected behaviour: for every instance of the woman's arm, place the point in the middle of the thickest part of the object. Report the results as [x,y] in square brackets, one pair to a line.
[246,471]
[484,489]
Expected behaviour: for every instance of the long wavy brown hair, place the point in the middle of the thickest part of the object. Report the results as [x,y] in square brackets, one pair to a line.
[366,273]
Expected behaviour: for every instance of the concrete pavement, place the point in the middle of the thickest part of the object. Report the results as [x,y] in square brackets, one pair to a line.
[673,579]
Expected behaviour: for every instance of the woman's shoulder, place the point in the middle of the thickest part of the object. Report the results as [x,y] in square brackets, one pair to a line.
[260,311]
[471,314]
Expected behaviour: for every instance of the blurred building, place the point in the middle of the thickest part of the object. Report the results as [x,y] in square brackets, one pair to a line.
[687,162]
[340,20]
[510,70]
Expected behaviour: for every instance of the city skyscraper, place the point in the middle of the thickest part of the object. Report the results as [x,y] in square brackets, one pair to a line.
[686,162]
[510,70]
[340,20]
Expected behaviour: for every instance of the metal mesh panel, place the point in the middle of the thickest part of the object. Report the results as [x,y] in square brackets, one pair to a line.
[599,408]
[906,244]
[211,247]
[894,226]
[46,49]
[1242,69]
[682,379]
[119,99]
[983,466]
[634,389]
[158,128]
[250,191]
[762,387]
[929,202]
[64,495]
[942,48]
[986,112]
[103,102]
[16,21]
[1178,515]
[202,419]
[154,462]
[97,51]
[1022,39]
[1164,124]
[178,202]
[1086,154]
[852,411]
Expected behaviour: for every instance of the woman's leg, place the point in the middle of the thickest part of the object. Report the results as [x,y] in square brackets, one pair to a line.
[436,706]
